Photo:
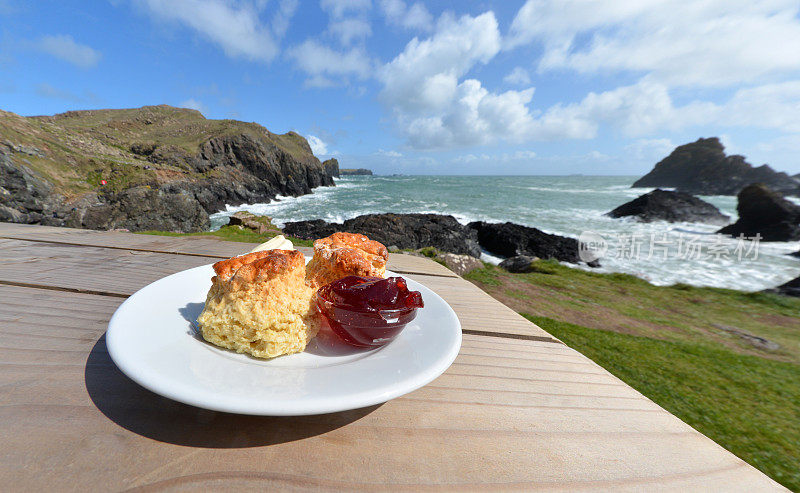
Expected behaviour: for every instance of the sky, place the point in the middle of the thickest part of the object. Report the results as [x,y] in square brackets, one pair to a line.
[543,87]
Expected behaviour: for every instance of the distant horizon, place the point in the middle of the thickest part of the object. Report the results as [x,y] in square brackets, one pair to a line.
[426,87]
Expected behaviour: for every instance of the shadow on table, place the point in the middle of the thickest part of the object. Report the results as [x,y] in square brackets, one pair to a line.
[137,409]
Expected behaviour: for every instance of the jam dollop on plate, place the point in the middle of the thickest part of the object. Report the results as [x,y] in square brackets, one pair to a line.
[368,311]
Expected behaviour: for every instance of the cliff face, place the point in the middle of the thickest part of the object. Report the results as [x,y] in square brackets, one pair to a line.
[155,167]
[702,168]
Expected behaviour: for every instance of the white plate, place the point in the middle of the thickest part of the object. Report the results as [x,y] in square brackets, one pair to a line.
[152,339]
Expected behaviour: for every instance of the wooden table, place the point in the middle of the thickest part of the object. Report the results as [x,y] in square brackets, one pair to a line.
[517,410]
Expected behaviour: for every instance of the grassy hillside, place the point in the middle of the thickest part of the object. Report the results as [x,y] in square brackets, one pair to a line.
[126,147]
[688,349]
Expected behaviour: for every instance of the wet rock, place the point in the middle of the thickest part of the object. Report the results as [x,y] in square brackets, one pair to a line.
[764,212]
[405,231]
[511,240]
[791,288]
[663,205]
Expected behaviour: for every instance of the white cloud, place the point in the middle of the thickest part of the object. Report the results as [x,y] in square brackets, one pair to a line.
[350,29]
[326,66]
[392,154]
[649,148]
[318,147]
[425,75]
[339,8]
[699,43]
[415,16]
[518,77]
[67,49]
[433,109]
[506,157]
[237,28]
[194,104]
[282,17]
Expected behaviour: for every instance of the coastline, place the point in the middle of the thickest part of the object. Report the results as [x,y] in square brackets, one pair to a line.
[561,205]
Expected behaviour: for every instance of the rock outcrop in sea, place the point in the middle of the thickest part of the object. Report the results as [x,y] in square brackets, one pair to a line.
[703,168]
[355,172]
[410,231]
[791,288]
[764,212]
[155,167]
[512,240]
[445,233]
[663,205]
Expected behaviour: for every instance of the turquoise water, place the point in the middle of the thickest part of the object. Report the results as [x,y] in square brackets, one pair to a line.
[566,205]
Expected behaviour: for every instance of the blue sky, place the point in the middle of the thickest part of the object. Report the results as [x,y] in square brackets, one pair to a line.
[467,87]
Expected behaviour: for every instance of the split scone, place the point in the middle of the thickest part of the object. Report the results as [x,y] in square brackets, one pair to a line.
[260,304]
[345,254]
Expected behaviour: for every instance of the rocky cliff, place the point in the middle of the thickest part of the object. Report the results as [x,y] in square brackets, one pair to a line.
[155,167]
[703,168]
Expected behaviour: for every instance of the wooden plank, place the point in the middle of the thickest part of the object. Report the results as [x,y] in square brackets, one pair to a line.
[510,414]
[191,245]
[122,273]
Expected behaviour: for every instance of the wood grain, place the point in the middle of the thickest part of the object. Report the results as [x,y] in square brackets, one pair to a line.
[508,414]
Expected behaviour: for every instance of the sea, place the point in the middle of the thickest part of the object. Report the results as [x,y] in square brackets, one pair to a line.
[662,253]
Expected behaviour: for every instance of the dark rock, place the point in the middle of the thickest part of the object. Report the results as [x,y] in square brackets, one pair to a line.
[518,264]
[352,172]
[663,205]
[702,168]
[20,187]
[511,240]
[791,288]
[331,167]
[410,231]
[144,208]
[764,212]
[795,254]
[311,230]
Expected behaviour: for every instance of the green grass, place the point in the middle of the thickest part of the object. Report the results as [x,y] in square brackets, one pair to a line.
[628,304]
[233,233]
[669,343]
[748,404]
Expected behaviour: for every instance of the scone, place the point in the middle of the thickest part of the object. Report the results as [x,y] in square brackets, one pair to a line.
[345,254]
[260,304]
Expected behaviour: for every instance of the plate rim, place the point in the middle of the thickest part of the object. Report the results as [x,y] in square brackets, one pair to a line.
[356,400]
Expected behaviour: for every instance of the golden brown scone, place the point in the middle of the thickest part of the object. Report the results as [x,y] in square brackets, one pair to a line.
[345,254]
[260,304]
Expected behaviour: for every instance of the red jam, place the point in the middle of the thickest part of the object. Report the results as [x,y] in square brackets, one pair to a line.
[368,311]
